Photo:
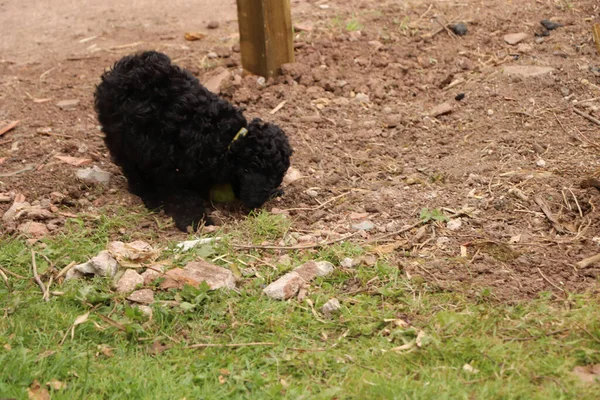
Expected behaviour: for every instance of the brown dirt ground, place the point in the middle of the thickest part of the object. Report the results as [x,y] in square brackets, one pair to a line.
[388,154]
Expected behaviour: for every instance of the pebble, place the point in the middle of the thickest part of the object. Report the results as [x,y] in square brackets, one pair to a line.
[212,55]
[289,284]
[550,25]
[527,71]
[143,296]
[347,263]
[454,224]
[363,226]
[94,175]
[33,229]
[213,25]
[196,272]
[67,104]
[331,307]
[515,38]
[129,281]
[312,193]
[540,163]
[460,29]
[361,98]
[490,112]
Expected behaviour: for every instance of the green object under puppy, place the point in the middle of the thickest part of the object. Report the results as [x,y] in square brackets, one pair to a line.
[222,193]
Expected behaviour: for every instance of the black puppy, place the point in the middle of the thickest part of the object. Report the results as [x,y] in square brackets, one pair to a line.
[174,139]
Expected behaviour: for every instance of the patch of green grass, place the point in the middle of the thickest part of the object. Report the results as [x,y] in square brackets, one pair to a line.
[348,25]
[516,351]
[436,215]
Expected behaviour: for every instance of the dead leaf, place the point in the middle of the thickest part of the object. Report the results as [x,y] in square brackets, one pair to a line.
[39,101]
[388,248]
[7,347]
[37,392]
[157,348]
[81,319]
[10,126]
[463,251]
[588,373]
[222,380]
[77,162]
[192,36]
[469,368]
[56,385]
[420,339]
[45,354]
[224,371]
[406,346]
[106,350]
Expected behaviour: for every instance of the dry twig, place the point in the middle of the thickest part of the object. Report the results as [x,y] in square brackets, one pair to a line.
[586,116]
[546,210]
[205,345]
[301,247]
[37,277]
[8,127]
[586,262]
[549,281]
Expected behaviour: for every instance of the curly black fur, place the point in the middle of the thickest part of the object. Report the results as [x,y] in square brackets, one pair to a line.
[172,139]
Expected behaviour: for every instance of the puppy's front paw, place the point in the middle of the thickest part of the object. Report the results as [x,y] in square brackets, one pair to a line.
[277,193]
[186,224]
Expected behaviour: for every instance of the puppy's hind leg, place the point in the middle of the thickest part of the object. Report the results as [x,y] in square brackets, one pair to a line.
[186,209]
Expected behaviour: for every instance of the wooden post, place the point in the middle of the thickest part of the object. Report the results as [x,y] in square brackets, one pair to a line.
[266,36]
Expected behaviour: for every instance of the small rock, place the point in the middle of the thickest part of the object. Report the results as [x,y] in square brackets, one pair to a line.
[565,91]
[152,273]
[459,97]
[196,272]
[347,263]
[312,193]
[515,38]
[143,296]
[306,26]
[289,284]
[460,29]
[67,104]
[291,176]
[376,44]
[129,281]
[212,25]
[331,307]
[102,265]
[441,109]
[212,55]
[550,25]
[355,35]
[214,83]
[490,112]
[454,224]
[33,229]
[524,48]
[145,310]
[540,163]
[285,287]
[363,226]
[94,175]
[392,121]
[361,98]
[527,71]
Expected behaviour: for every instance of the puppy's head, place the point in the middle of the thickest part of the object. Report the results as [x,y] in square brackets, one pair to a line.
[259,161]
